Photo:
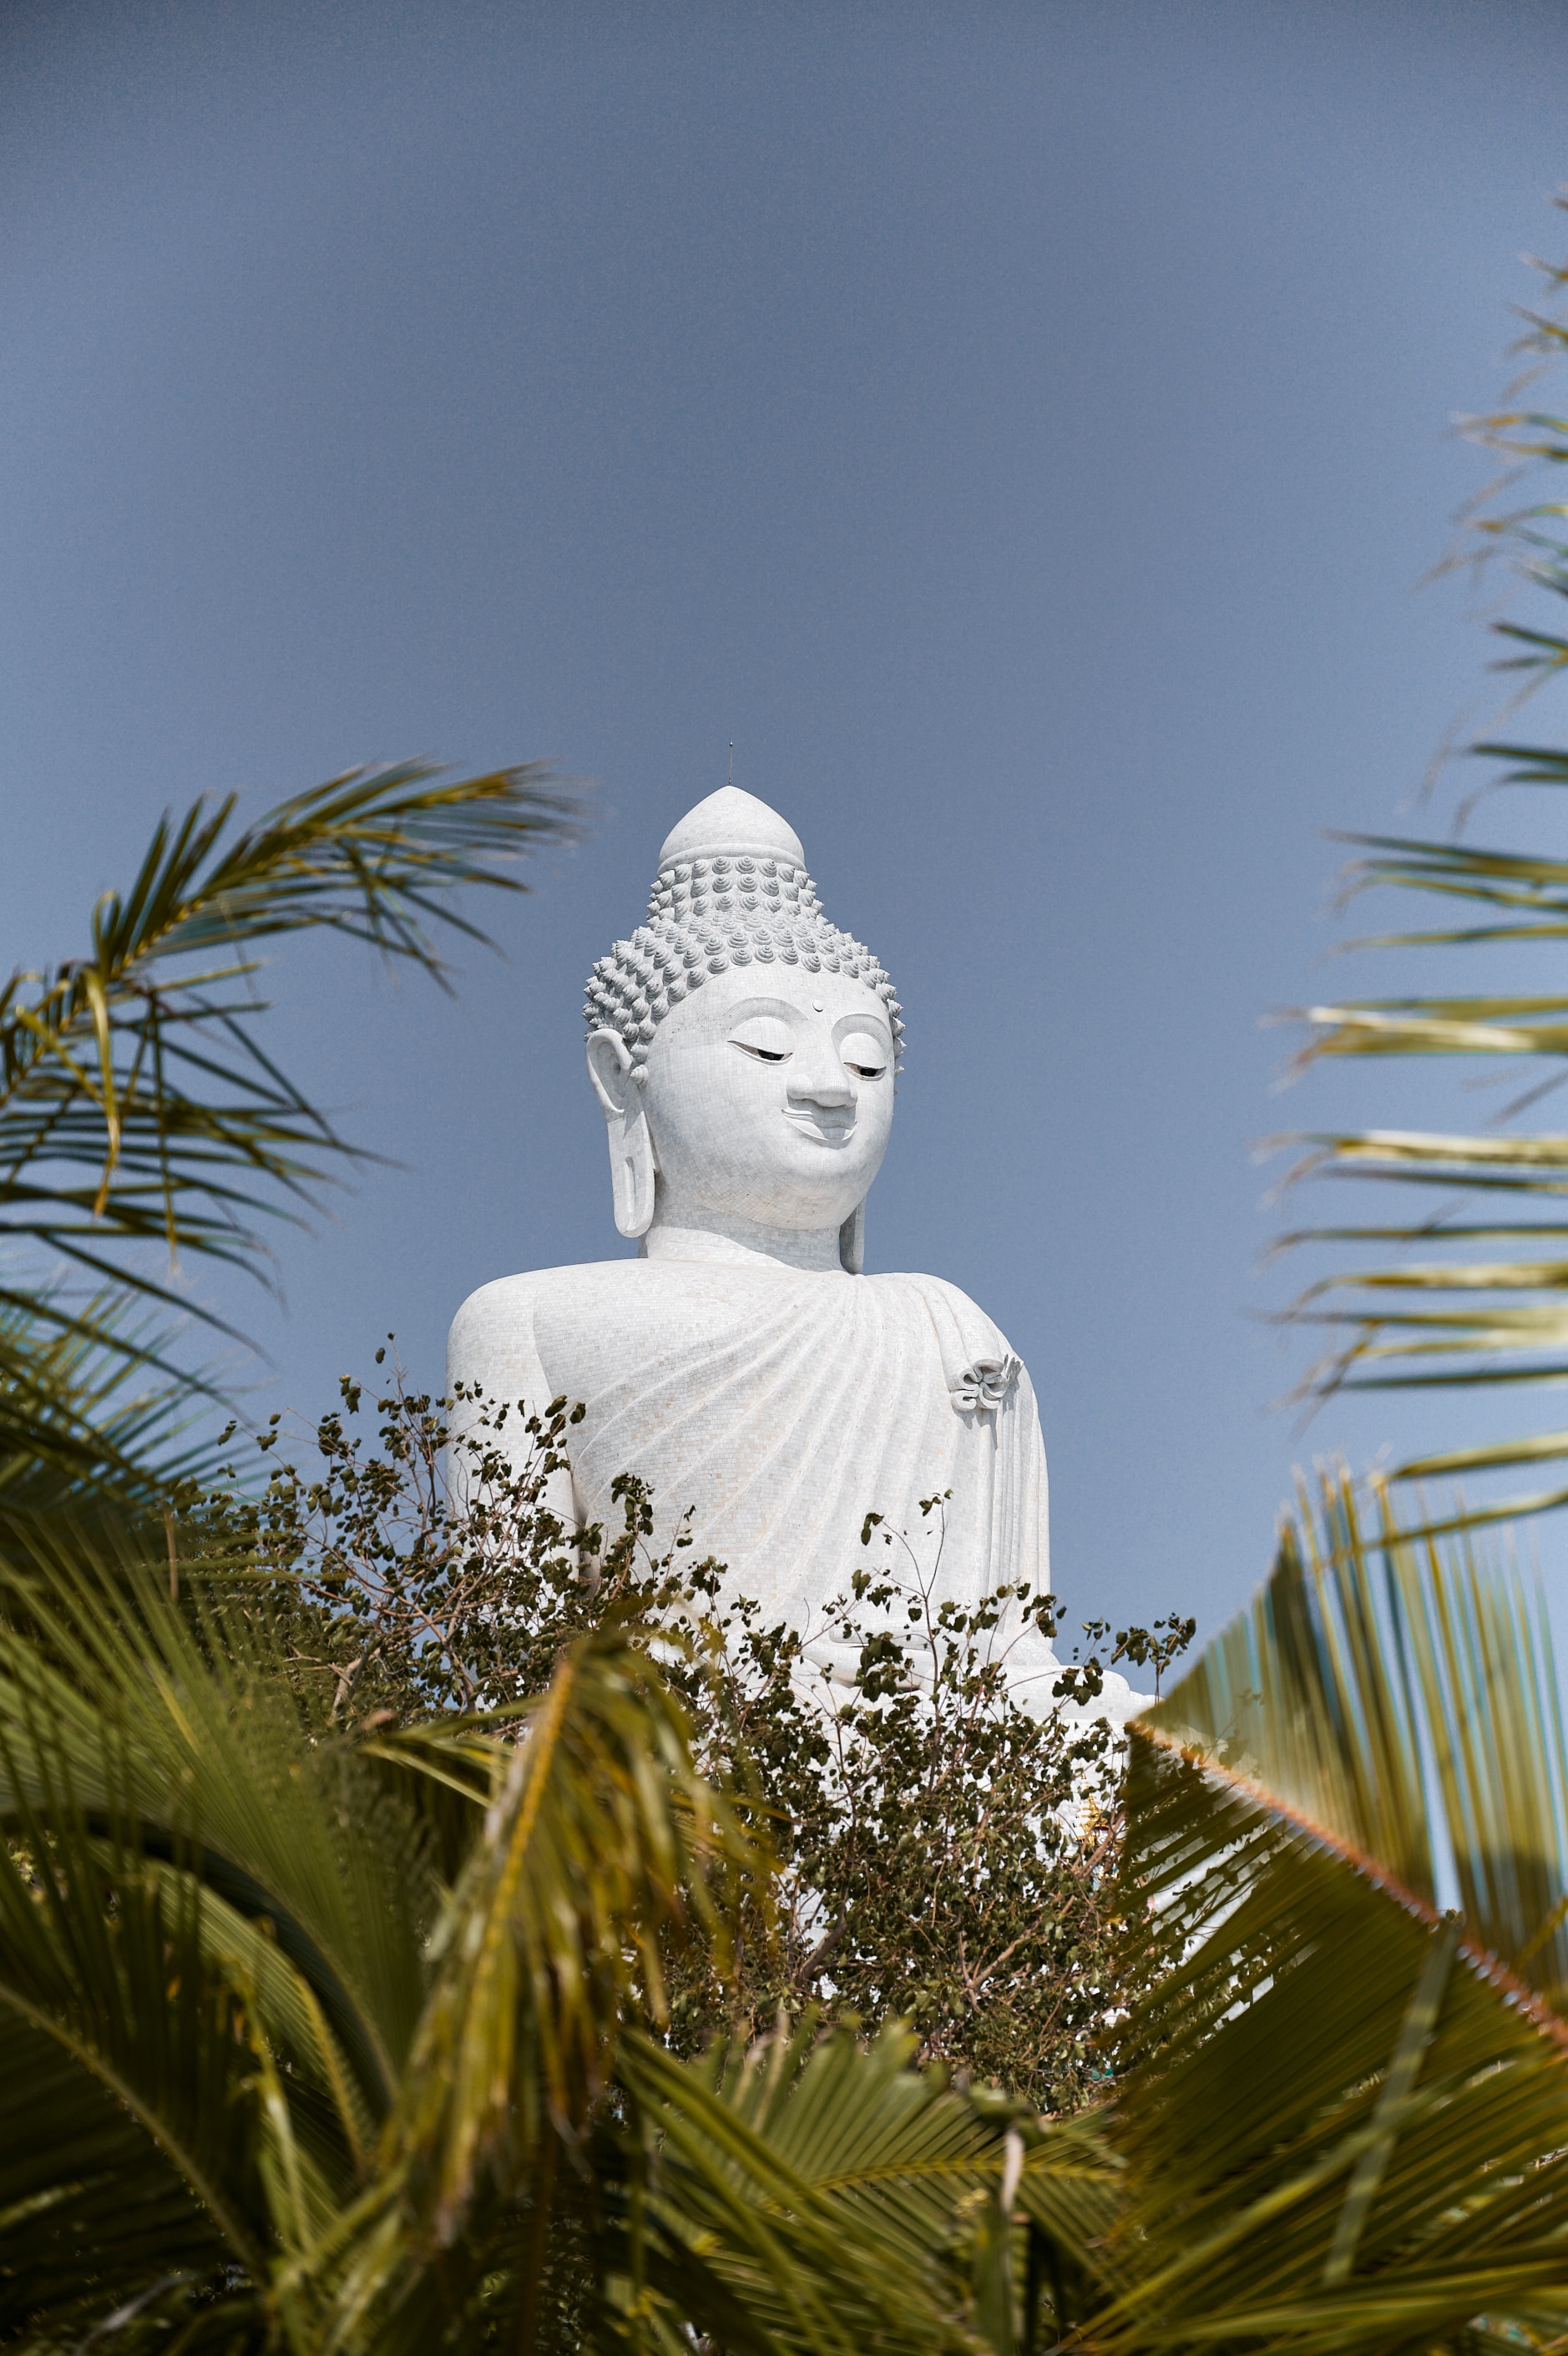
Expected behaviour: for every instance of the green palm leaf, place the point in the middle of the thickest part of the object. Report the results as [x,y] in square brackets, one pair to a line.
[328,2008]
[151,1083]
[138,1108]
[98,1403]
[600,1838]
[1422,1311]
[1402,1693]
[1342,2114]
[806,2195]
[815,2193]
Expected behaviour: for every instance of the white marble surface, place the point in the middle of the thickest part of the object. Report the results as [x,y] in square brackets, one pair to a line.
[744,1055]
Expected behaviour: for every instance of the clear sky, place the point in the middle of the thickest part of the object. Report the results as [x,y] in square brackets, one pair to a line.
[1021,429]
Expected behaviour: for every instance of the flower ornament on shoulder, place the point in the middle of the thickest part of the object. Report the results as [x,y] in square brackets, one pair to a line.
[981,1387]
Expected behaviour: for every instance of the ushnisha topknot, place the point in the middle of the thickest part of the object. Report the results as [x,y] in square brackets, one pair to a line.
[732,889]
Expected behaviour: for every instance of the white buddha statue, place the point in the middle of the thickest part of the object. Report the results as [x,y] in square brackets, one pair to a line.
[744,1054]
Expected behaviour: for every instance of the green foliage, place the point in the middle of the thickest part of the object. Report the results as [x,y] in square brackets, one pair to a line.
[1342,2116]
[400,1599]
[355,2043]
[256,1986]
[362,2035]
[1430,1313]
[949,1855]
[767,2169]
[141,1118]
[946,1857]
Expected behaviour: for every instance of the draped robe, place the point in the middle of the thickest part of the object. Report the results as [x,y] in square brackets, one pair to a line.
[776,1408]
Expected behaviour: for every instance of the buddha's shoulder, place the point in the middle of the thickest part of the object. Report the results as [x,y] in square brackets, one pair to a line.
[938,1285]
[510,1301]
[965,1329]
[932,1290]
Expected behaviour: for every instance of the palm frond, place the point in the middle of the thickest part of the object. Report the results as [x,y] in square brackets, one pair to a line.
[178,1714]
[150,1081]
[1401,1692]
[1434,1314]
[1271,2190]
[211,1948]
[808,2195]
[1427,1312]
[236,1978]
[93,1399]
[140,1113]
[600,1837]
[1343,2116]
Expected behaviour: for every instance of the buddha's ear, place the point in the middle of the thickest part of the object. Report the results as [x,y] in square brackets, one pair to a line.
[609,1068]
[852,1241]
[630,1143]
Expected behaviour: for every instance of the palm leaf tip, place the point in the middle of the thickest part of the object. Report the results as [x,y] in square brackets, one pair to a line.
[371,853]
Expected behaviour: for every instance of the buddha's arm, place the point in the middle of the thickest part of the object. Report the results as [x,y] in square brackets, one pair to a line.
[491,1350]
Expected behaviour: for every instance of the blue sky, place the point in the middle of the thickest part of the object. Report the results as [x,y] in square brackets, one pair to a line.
[1022,430]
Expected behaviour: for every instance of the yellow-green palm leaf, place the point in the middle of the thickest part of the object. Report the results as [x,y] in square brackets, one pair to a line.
[1465,1282]
[138,1106]
[1343,2113]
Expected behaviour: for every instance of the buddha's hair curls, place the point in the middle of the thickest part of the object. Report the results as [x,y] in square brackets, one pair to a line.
[706,914]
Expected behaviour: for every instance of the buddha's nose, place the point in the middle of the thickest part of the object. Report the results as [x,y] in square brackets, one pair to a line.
[818,1076]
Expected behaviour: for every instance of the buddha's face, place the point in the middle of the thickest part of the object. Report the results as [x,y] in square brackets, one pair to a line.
[769,1097]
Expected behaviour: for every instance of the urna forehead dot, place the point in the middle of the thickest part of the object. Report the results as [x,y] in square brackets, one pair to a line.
[728,824]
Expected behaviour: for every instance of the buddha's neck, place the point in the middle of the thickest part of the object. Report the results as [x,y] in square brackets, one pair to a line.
[744,1244]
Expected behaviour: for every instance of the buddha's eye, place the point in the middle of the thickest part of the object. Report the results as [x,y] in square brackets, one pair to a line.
[863,1054]
[764,1038]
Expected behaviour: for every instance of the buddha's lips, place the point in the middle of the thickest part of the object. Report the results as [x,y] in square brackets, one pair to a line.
[822,1131]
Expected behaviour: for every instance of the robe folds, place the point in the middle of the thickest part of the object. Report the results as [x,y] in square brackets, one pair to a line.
[776,1408]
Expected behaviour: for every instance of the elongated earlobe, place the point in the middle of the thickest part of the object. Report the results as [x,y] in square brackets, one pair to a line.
[631,1172]
[852,1241]
[632,1166]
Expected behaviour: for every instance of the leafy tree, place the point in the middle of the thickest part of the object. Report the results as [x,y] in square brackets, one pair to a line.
[946,1855]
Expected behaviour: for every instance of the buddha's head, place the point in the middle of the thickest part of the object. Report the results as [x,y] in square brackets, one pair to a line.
[742,1049]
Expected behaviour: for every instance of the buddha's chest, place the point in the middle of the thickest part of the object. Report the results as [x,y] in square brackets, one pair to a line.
[775,1410]
[686,1371]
